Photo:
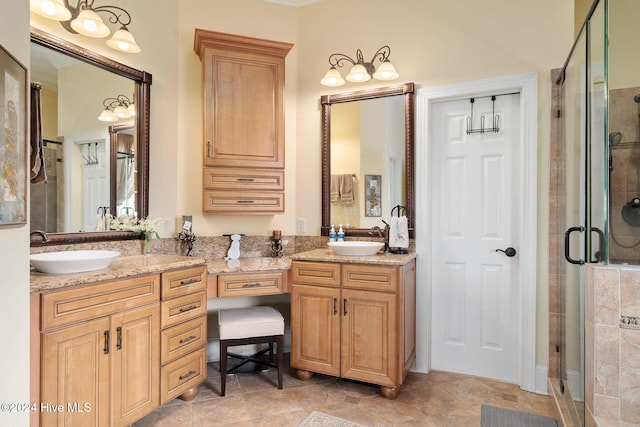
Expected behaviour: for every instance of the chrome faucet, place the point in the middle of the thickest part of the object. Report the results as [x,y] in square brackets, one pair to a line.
[45,237]
[384,233]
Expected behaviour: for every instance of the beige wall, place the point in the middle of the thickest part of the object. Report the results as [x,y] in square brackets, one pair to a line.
[14,256]
[432,43]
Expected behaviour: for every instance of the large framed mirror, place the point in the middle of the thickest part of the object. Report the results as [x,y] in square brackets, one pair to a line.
[87,160]
[367,158]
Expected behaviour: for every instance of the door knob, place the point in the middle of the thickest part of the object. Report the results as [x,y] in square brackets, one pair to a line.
[508,252]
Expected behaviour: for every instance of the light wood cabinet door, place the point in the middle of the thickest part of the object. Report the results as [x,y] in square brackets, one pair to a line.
[369,337]
[76,374]
[243,80]
[136,364]
[315,330]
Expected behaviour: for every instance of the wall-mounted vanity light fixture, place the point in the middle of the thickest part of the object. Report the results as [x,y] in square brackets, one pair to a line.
[83,19]
[117,108]
[361,71]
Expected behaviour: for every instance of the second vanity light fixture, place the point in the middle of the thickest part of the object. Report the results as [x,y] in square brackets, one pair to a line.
[117,108]
[361,71]
[83,19]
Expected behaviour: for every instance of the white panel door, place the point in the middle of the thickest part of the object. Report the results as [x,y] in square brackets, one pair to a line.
[95,183]
[475,213]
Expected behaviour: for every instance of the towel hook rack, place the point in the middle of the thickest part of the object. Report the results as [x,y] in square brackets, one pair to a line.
[401,210]
[482,129]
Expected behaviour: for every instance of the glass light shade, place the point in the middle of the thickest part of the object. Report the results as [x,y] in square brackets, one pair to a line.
[88,23]
[386,71]
[51,9]
[107,116]
[358,74]
[123,41]
[120,112]
[131,110]
[332,78]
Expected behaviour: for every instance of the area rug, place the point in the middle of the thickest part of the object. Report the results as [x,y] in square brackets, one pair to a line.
[499,417]
[320,419]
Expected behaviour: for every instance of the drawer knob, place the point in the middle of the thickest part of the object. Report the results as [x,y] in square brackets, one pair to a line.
[252,285]
[188,282]
[189,338]
[187,375]
[191,307]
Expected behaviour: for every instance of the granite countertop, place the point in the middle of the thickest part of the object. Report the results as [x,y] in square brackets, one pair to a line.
[327,255]
[123,266]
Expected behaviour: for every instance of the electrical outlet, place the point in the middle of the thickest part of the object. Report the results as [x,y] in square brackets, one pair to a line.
[301,225]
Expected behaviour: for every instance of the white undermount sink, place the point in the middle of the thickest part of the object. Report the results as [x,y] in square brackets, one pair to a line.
[356,248]
[66,262]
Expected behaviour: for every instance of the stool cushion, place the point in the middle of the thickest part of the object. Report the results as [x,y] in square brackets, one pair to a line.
[250,322]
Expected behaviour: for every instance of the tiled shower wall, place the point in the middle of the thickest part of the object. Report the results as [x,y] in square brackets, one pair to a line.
[624,231]
[612,345]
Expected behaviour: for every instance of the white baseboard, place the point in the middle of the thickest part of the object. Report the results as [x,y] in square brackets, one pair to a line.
[542,383]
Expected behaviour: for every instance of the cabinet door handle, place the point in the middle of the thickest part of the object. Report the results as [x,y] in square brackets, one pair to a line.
[106,342]
[208,148]
[335,306]
[246,201]
[187,375]
[187,339]
[119,338]
[188,282]
[245,179]
[191,307]
[252,285]
[344,306]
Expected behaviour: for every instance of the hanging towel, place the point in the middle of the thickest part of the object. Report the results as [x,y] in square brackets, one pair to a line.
[38,171]
[346,189]
[398,232]
[335,187]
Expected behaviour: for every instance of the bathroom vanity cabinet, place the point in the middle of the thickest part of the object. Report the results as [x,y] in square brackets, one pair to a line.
[354,321]
[100,353]
[183,323]
[109,348]
[243,84]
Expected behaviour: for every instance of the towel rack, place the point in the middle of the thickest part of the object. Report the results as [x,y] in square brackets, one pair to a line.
[401,210]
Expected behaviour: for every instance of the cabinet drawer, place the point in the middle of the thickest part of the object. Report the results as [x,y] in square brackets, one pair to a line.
[183,282]
[181,339]
[250,284]
[243,202]
[316,273]
[182,309]
[179,376]
[88,302]
[371,277]
[243,179]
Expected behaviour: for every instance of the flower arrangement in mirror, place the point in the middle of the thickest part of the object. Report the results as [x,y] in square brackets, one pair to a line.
[146,226]
[187,237]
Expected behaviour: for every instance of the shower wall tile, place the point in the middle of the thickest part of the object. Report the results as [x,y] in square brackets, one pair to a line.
[623,113]
[630,292]
[606,285]
[607,360]
[630,376]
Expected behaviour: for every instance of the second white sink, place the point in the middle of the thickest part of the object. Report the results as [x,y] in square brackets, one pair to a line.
[67,262]
[356,248]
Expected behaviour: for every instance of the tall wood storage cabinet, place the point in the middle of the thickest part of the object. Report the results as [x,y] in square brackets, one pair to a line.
[354,321]
[243,85]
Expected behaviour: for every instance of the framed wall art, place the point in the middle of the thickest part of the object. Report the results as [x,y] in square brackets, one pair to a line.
[13,140]
[372,198]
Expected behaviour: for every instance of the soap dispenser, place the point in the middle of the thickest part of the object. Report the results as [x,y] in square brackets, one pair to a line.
[340,234]
[332,234]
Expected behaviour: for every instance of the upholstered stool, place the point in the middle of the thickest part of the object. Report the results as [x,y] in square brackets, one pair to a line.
[251,325]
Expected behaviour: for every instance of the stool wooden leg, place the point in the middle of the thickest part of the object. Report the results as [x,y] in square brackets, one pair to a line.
[223,366]
[280,344]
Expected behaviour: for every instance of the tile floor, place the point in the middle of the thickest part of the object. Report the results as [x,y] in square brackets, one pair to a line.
[436,399]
